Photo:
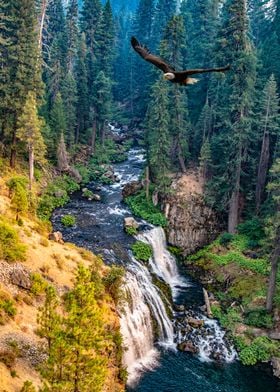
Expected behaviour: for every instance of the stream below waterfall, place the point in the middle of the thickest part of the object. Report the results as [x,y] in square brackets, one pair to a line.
[150,335]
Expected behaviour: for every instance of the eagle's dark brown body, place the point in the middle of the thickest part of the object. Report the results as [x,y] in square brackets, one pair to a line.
[181,77]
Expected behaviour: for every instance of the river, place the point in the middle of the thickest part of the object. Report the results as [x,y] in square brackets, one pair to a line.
[153,362]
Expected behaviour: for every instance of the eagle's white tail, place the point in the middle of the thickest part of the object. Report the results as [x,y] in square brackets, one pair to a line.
[192,81]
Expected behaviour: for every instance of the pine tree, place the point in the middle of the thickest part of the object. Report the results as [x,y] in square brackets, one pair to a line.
[269,123]
[105,40]
[201,19]
[83,97]
[23,73]
[69,96]
[142,76]
[90,17]
[164,11]
[203,129]
[172,48]
[54,49]
[57,122]
[233,109]
[72,33]
[158,136]
[5,43]
[29,132]
[205,160]
[102,103]
[62,156]
[84,329]
[48,318]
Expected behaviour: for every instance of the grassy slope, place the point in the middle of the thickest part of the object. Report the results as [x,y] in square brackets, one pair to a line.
[57,264]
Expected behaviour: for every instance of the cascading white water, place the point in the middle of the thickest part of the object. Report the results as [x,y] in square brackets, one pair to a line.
[163,263]
[143,298]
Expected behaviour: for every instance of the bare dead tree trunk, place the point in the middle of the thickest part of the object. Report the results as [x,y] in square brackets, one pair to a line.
[207,303]
[41,23]
[274,259]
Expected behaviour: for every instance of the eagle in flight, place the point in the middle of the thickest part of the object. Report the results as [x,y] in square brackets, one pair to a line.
[181,77]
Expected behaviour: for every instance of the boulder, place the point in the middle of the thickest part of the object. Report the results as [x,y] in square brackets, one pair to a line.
[187,347]
[20,277]
[195,323]
[179,308]
[56,236]
[131,188]
[275,362]
[274,335]
[131,222]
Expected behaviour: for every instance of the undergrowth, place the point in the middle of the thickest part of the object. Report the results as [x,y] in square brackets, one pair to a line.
[145,209]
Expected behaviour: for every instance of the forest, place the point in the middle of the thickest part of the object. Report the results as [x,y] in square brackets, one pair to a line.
[68,76]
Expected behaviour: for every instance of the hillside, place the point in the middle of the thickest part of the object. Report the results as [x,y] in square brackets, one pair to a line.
[22,288]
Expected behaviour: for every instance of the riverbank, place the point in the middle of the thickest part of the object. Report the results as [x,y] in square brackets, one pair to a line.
[237,277]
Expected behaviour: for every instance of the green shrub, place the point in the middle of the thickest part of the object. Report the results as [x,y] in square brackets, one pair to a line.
[113,282]
[261,350]
[11,249]
[259,318]
[177,252]
[56,195]
[7,307]
[253,229]
[145,209]
[225,239]
[142,251]
[39,285]
[19,195]
[239,342]
[253,244]
[68,220]
[88,194]
[228,318]
[131,230]
[28,387]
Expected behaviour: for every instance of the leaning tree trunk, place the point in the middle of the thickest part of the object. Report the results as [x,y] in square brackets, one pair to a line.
[41,23]
[31,166]
[273,273]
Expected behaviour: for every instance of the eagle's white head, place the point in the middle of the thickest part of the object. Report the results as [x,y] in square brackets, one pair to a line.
[169,76]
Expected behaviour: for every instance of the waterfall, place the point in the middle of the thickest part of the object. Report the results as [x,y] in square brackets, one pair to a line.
[143,303]
[163,263]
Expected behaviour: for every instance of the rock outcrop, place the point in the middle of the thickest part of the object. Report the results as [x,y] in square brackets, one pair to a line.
[131,188]
[192,224]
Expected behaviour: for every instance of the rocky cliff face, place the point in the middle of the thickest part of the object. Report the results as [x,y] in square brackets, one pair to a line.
[192,224]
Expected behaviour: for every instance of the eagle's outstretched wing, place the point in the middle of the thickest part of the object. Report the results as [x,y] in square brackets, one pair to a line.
[188,72]
[146,55]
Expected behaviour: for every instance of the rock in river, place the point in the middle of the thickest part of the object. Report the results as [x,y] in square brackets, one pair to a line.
[131,222]
[187,347]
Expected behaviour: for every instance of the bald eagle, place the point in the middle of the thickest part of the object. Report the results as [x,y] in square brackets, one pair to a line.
[181,77]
